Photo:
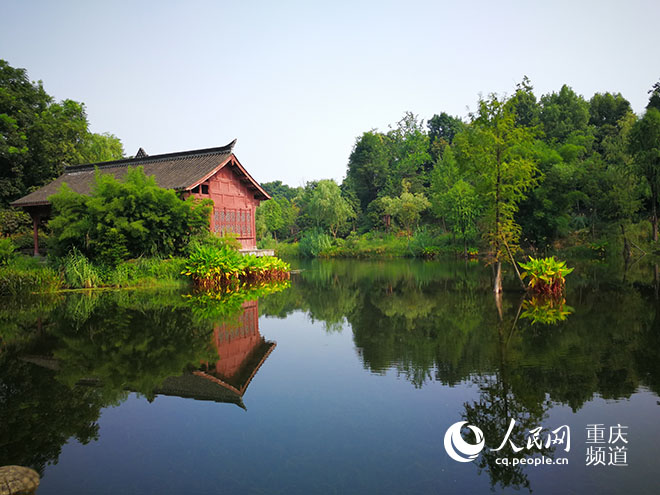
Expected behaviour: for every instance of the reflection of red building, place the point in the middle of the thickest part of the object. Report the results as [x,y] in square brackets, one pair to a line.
[241,351]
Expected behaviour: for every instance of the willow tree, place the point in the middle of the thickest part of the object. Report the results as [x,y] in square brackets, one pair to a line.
[499,155]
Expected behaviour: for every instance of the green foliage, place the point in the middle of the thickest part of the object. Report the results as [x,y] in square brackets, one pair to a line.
[19,280]
[406,208]
[313,243]
[213,268]
[78,272]
[330,210]
[645,148]
[208,238]
[121,220]
[40,135]
[546,275]
[7,248]
[13,222]
[500,156]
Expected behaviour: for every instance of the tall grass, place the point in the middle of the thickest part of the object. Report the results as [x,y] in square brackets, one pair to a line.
[26,275]
[78,272]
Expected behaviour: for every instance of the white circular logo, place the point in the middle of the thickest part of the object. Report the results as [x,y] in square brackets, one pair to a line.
[455,445]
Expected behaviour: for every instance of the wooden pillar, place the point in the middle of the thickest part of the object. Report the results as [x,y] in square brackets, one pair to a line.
[35,225]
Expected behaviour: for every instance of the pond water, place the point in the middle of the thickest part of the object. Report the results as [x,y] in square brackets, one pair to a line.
[346,381]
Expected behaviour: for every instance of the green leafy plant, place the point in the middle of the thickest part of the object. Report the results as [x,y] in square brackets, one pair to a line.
[78,272]
[546,275]
[7,248]
[213,268]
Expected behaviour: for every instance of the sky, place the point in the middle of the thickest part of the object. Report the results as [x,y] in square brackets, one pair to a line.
[298,82]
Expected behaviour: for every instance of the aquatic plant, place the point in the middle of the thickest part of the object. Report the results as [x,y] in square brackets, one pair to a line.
[213,268]
[546,275]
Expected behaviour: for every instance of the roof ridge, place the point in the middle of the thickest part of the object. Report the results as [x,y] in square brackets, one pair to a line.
[153,158]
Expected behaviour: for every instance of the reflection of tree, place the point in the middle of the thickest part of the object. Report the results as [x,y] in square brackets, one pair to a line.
[115,342]
[429,321]
[505,394]
[128,344]
[38,414]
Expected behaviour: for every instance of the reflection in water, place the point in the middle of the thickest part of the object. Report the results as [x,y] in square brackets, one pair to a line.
[438,322]
[429,322]
[88,351]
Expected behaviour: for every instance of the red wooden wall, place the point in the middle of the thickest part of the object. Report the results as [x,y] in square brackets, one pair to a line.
[234,206]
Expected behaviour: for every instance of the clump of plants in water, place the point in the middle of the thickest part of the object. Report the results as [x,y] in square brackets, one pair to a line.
[546,275]
[217,268]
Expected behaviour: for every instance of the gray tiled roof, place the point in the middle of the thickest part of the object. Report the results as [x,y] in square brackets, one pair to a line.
[178,171]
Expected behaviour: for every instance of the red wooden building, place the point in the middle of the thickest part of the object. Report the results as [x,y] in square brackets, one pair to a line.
[213,173]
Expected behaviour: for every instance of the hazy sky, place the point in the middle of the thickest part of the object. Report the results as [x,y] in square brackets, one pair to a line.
[297,82]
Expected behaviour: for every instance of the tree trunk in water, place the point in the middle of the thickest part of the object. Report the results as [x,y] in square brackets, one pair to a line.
[498,278]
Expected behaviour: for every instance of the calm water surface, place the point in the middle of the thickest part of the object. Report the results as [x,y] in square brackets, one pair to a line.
[344,382]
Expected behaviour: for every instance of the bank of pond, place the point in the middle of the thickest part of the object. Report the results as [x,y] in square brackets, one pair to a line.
[207,267]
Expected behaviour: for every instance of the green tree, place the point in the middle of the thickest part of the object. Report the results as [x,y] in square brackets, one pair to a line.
[444,175]
[410,158]
[120,220]
[406,208]
[96,148]
[500,155]
[654,99]
[368,167]
[563,113]
[463,210]
[645,148]
[40,136]
[270,213]
[328,208]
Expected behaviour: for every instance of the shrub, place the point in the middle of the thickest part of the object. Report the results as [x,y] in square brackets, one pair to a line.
[7,248]
[209,239]
[313,243]
[121,220]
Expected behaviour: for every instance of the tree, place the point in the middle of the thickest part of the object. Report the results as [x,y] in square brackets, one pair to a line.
[410,158]
[463,210]
[563,113]
[105,147]
[645,148]
[368,167]
[654,99]
[40,136]
[444,175]
[121,220]
[328,208]
[442,129]
[500,155]
[278,190]
[407,207]
[524,104]
[270,213]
